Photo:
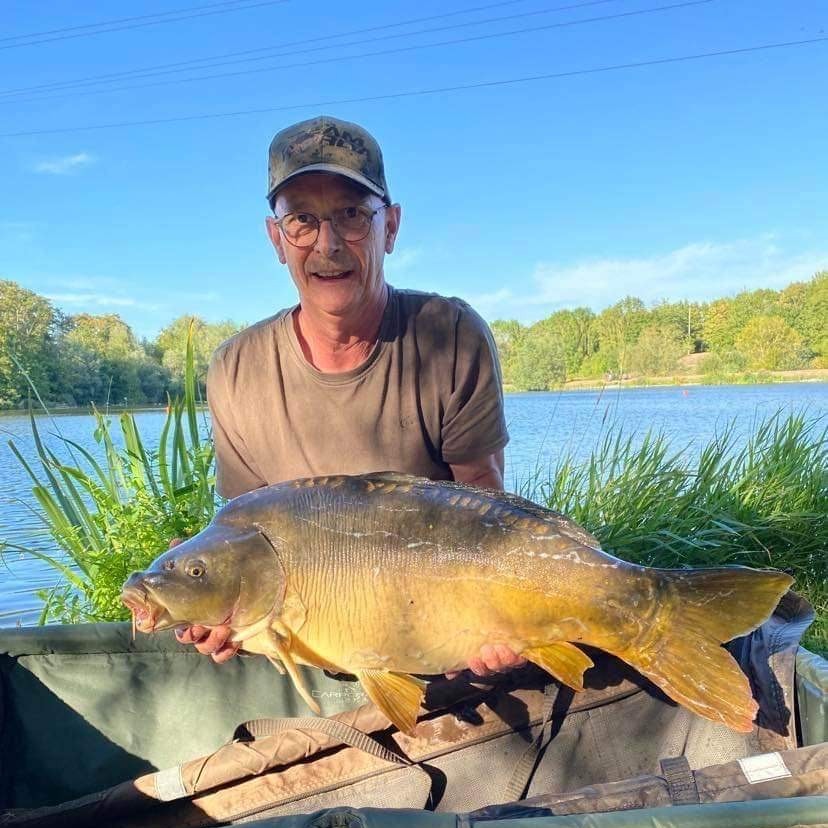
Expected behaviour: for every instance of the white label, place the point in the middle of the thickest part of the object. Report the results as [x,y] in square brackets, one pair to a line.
[763,768]
[169,785]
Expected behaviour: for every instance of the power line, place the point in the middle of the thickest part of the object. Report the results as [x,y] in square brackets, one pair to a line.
[188,63]
[381,52]
[69,35]
[118,20]
[421,92]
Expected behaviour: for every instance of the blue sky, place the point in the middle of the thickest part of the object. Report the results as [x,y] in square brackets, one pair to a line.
[691,179]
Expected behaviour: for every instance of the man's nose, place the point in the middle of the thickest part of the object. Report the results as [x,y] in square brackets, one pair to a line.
[328,241]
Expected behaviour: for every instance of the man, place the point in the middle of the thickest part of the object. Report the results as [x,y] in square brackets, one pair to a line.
[358,377]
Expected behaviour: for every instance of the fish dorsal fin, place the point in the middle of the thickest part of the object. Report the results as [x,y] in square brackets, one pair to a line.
[506,501]
[398,695]
[562,660]
[388,481]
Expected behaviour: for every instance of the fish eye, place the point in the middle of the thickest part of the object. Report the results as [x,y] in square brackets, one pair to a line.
[169,564]
[195,569]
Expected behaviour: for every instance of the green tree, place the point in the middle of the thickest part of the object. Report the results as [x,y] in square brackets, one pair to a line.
[171,342]
[684,319]
[109,339]
[539,362]
[725,318]
[574,330]
[508,334]
[28,327]
[812,321]
[769,343]
[618,329]
[657,350]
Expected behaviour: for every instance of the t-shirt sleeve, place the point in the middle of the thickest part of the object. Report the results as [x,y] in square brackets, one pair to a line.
[474,423]
[236,472]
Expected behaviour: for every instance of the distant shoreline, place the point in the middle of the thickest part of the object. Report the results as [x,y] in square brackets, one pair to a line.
[806,375]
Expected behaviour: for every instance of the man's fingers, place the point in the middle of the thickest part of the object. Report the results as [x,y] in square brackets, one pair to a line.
[477,666]
[225,652]
[508,657]
[495,658]
[191,635]
[214,641]
[175,542]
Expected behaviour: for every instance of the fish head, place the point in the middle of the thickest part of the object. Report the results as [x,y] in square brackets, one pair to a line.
[225,575]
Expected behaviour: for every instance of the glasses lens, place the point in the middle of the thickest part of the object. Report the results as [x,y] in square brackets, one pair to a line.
[351,223]
[300,228]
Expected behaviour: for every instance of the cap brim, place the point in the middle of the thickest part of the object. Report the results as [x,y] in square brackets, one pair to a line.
[353,175]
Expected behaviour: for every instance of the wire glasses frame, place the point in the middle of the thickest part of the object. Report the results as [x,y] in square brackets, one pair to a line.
[301,228]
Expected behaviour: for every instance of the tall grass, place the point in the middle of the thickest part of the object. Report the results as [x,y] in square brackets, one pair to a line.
[762,505]
[112,517]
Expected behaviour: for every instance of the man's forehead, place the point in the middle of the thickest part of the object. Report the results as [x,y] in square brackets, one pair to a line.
[318,186]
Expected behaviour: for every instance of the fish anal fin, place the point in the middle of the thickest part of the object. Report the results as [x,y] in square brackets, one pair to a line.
[563,660]
[397,695]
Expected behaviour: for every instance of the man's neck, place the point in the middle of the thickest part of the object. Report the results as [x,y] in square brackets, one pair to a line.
[334,344]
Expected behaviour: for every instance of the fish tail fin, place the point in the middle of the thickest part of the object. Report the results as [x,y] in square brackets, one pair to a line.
[683,655]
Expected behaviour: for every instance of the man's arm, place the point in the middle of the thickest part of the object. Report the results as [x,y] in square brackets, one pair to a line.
[486,472]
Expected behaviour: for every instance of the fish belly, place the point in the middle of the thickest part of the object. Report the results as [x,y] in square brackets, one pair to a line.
[424,623]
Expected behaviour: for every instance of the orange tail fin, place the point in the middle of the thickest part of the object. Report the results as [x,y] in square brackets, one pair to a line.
[685,657]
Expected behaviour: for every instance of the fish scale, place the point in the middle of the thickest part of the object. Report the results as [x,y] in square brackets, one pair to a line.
[388,576]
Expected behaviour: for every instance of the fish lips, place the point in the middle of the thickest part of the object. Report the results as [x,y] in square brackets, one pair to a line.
[147,614]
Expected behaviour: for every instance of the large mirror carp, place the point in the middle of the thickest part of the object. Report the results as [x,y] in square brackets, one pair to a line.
[386,575]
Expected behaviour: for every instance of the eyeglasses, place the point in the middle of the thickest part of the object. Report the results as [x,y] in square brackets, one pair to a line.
[353,224]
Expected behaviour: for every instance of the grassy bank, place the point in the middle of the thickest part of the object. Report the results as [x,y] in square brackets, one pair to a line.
[763,505]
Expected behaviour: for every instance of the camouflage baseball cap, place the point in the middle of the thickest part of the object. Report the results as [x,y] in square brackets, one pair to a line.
[326,144]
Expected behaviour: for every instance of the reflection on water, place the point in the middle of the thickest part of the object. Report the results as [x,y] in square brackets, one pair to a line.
[543,426]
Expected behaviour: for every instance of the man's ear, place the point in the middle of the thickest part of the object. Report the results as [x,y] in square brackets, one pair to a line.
[276,238]
[393,214]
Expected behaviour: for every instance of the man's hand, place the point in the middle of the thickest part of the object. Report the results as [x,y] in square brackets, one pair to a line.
[211,641]
[493,658]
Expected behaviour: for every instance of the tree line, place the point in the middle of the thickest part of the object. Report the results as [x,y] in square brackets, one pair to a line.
[83,358]
[758,330]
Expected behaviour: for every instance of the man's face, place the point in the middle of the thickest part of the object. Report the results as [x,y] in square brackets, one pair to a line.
[333,275]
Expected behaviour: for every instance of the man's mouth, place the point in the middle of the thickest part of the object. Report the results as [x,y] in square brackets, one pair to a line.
[331,275]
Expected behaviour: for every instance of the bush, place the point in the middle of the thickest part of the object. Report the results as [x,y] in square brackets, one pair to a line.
[109,520]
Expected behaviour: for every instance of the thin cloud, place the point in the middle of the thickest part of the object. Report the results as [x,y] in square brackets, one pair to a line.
[697,272]
[100,300]
[65,166]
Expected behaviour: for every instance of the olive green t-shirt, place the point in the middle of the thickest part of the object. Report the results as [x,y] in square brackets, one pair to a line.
[428,395]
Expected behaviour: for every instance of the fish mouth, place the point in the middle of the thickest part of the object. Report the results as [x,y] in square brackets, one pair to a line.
[147,615]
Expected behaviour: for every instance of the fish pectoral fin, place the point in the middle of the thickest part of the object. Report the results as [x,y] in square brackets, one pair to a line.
[283,653]
[563,660]
[397,695]
[274,660]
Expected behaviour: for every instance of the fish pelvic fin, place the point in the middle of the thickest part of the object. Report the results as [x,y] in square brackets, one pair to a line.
[397,695]
[562,660]
[281,651]
[683,655]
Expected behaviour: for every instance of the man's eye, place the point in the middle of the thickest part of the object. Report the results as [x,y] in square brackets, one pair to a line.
[350,212]
[303,218]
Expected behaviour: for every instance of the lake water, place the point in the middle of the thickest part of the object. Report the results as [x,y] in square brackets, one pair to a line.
[543,426]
